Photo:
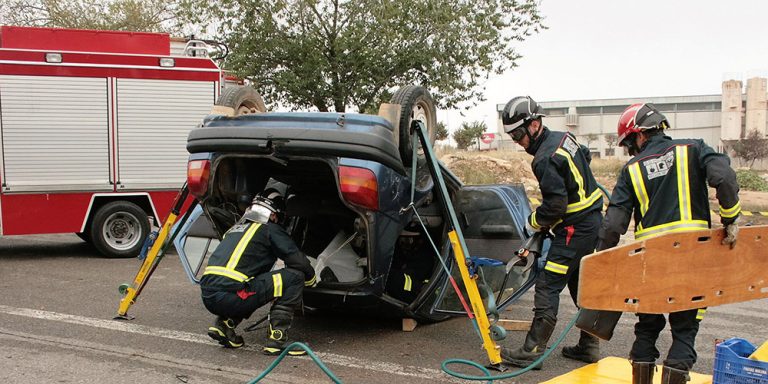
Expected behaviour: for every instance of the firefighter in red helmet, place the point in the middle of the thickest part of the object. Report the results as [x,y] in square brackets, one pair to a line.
[665,186]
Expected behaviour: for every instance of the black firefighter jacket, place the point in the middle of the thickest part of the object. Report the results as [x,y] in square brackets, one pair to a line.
[665,186]
[568,188]
[251,249]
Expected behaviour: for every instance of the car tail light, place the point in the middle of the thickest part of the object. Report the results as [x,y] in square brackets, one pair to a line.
[198,172]
[359,187]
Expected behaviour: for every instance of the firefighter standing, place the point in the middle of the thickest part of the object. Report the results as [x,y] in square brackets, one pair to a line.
[665,185]
[238,279]
[571,209]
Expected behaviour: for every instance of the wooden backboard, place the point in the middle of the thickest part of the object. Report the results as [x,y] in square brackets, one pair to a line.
[676,272]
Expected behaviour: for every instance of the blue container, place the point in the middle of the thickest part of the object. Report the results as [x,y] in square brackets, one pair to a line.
[733,365]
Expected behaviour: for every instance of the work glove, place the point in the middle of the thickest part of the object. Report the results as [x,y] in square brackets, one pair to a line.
[529,227]
[731,233]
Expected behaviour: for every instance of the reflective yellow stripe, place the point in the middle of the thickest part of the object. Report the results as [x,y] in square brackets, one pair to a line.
[574,171]
[639,186]
[222,271]
[556,268]
[408,283]
[730,212]
[534,224]
[241,245]
[229,270]
[700,314]
[673,227]
[277,283]
[683,183]
[584,204]
[310,282]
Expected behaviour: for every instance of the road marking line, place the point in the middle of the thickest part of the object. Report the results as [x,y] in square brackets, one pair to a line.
[328,358]
[150,358]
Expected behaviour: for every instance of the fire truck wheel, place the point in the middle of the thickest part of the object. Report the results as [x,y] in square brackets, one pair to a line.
[242,99]
[416,104]
[119,229]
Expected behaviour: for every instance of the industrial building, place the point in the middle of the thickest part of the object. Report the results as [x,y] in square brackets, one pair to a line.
[717,119]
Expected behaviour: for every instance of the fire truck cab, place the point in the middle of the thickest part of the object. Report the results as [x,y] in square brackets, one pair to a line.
[93,129]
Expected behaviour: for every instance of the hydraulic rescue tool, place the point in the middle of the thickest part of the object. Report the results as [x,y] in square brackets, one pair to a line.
[489,333]
[533,245]
[156,252]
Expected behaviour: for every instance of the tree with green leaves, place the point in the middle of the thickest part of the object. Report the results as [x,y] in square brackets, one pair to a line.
[751,148]
[441,131]
[333,54]
[469,133]
[119,15]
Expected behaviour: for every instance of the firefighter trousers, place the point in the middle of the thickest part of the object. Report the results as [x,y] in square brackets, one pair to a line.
[569,245]
[284,286]
[684,325]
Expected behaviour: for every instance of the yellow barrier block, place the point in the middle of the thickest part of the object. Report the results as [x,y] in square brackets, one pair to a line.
[760,353]
[614,370]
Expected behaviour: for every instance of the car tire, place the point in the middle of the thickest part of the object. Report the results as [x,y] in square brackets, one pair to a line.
[243,99]
[416,104]
[119,229]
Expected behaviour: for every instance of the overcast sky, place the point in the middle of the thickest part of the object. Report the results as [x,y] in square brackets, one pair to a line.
[623,49]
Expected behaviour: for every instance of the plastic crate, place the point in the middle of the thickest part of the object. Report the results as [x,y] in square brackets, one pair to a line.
[732,365]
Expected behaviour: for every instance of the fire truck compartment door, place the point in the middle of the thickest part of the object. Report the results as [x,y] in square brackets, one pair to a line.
[154,118]
[55,133]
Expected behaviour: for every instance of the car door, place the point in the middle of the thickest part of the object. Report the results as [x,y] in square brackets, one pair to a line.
[195,242]
[492,220]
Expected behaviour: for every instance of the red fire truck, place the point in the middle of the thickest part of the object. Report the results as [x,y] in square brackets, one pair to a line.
[93,128]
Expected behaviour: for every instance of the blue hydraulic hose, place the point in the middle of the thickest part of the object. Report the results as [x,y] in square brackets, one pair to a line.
[490,378]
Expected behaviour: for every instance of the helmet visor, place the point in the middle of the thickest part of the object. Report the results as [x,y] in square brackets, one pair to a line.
[518,133]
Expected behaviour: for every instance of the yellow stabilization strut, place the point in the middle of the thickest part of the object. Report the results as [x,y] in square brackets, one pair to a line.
[131,292]
[470,283]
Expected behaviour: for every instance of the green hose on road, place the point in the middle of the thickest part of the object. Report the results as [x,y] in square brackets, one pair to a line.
[490,378]
[285,352]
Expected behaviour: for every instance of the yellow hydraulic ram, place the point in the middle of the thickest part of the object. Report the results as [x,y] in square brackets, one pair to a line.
[470,283]
[460,251]
[155,254]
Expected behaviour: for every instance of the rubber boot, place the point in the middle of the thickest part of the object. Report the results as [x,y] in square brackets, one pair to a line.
[587,350]
[223,331]
[280,319]
[642,373]
[534,346]
[673,376]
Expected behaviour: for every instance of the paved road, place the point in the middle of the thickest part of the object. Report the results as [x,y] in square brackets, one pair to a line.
[58,299]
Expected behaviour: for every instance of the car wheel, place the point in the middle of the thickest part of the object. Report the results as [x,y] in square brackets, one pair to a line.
[416,104]
[119,229]
[242,99]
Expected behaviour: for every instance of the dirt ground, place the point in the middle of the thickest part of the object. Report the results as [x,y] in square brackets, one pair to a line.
[514,167]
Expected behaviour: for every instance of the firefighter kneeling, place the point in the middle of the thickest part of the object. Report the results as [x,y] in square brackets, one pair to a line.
[238,280]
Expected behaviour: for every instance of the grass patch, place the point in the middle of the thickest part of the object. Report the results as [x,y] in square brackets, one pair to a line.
[473,175]
[606,167]
[751,181]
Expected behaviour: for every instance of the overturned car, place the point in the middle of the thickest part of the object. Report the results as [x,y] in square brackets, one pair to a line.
[361,203]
